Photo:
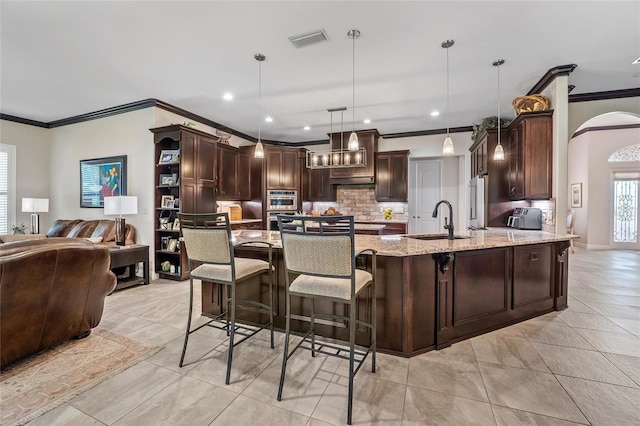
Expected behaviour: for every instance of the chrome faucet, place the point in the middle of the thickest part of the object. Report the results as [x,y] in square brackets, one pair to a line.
[448,226]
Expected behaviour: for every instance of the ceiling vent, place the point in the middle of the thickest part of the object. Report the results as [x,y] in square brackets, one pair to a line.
[307,39]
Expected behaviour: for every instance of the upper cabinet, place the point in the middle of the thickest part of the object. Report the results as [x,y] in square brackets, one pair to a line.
[391,175]
[233,173]
[356,175]
[530,156]
[283,168]
[319,186]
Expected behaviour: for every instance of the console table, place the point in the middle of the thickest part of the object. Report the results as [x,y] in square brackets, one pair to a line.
[129,256]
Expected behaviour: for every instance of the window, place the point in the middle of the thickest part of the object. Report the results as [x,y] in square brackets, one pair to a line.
[7,187]
[625,206]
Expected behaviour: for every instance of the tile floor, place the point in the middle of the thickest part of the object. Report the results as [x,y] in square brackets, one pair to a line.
[578,366]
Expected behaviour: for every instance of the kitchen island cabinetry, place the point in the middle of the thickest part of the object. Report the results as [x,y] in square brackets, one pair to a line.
[431,294]
[391,176]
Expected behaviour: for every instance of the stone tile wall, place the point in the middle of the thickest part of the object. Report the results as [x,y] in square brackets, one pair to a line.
[360,201]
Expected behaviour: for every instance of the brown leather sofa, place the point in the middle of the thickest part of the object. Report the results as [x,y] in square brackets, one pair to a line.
[51,290]
[78,228]
[99,231]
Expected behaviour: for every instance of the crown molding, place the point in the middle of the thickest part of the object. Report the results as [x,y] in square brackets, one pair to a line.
[427,132]
[599,128]
[599,96]
[107,112]
[549,76]
[21,120]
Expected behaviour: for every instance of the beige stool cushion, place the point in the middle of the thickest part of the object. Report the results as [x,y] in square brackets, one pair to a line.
[339,288]
[244,268]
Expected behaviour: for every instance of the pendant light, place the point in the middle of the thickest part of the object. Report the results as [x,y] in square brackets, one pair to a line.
[353,138]
[259,151]
[447,147]
[498,154]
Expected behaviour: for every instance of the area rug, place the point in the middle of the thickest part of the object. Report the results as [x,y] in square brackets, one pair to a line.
[50,378]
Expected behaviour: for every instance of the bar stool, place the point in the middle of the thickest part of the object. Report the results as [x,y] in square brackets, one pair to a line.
[207,239]
[321,252]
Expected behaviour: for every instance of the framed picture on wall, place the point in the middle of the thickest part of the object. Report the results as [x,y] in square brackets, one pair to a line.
[102,177]
[576,195]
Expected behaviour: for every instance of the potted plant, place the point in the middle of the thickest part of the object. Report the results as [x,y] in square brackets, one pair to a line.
[18,229]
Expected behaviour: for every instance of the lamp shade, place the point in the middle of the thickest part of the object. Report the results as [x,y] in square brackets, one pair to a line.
[35,205]
[447,147]
[120,205]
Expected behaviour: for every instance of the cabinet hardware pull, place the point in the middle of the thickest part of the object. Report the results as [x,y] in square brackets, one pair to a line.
[534,256]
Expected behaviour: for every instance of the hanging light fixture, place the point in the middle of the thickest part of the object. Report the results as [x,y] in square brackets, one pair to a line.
[447,147]
[498,154]
[353,138]
[259,151]
[337,158]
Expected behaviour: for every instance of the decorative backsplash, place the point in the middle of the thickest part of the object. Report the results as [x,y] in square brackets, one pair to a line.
[360,201]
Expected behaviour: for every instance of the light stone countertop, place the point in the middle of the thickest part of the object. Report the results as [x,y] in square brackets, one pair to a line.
[237,222]
[404,245]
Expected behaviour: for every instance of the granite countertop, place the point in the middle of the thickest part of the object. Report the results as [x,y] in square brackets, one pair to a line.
[404,245]
[237,222]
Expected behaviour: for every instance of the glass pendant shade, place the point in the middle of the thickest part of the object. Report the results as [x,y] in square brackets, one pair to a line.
[259,151]
[498,154]
[353,142]
[447,147]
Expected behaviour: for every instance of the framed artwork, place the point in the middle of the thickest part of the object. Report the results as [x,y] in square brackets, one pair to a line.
[167,180]
[102,177]
[169,156]
[576,195]
[176,224]
[164,201]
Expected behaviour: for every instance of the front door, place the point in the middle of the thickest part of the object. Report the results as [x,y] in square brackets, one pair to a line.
[424,193]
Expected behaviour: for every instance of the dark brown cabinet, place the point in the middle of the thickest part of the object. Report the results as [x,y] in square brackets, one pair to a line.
[367,139]
[530,156]
[233,173]
[283,168]
[391,175]
[319,186]
[479,161]
[191,188]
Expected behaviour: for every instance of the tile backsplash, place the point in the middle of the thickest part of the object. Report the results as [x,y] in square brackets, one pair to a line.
[360,201]
[548,208]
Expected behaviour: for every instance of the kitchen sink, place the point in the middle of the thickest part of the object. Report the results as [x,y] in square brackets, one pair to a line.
[436,237]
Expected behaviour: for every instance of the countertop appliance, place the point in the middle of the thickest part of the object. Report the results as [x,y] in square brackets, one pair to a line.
[478,202]
[525,218]
[234,211]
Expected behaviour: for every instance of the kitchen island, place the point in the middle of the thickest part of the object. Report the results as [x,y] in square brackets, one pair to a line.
[431,292]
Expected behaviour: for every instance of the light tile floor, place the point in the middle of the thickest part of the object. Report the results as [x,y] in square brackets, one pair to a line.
[578,366]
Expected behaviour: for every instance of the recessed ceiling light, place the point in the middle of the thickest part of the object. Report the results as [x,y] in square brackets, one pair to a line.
[227,96]
[435,113]
[268,119]
[307,128]
[366,121]
[637,61]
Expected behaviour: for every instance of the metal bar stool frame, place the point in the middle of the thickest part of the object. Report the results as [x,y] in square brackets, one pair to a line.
[320,229]
[199,255]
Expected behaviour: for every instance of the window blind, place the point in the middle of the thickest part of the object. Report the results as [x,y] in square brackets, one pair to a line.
[7,159]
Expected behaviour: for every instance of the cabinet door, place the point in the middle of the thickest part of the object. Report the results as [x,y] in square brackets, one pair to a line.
[206,169]
[482,158]
[188,156]
[516,162]
[227,168]
[188,196]
[206,198]
[243,176]
[391,176]
[538,164]
[274,168]
[532,275]
[320,187]
[383,177]
[289,170]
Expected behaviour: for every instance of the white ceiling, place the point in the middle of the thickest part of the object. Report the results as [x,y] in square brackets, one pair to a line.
[60,59]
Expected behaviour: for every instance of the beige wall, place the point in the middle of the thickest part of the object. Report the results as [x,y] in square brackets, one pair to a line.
[33,152]
[579,112]
[589,154]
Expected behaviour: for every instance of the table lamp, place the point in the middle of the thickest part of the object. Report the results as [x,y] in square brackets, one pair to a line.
[118,206]
[35,206]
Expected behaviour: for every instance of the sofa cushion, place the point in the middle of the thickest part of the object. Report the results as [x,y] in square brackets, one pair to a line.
[60,228]
[83,229]
[20,237]
[105,229]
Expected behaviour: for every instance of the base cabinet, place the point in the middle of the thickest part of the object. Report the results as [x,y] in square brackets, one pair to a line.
[428,302]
